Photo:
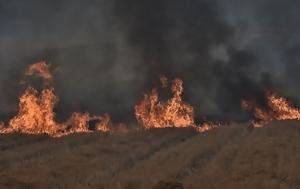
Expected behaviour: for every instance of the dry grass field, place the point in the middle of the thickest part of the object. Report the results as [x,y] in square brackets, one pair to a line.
[232,157]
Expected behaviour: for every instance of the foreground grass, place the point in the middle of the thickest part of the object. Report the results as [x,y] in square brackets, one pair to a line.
[236,156]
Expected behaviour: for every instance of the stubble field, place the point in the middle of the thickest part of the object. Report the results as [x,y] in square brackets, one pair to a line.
[235,156]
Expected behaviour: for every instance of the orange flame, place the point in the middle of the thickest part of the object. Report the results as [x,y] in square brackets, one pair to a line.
[78,123]
[153,113]
[206,127]
[36,115]
[103,124]
[42,70]
[278,109]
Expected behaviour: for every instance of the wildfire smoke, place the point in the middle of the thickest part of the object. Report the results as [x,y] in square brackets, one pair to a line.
[36,110]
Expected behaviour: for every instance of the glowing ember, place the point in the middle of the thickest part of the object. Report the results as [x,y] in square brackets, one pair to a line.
[36,115]
[278,109]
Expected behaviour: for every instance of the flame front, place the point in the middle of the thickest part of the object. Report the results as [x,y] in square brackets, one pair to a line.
[278,109]
[153,113]
[36,115]
[36,110]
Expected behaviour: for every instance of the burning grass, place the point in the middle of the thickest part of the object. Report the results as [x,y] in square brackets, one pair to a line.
[278,108]
[151,112]
[36,115]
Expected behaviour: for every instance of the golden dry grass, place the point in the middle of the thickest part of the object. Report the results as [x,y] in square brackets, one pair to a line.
[235,156]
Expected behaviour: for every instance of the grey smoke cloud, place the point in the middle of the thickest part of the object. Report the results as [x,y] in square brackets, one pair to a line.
[105,54]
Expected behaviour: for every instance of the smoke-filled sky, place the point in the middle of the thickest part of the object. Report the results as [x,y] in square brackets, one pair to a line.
[106,53]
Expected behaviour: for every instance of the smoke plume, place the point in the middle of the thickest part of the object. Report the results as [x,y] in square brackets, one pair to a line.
[105,54]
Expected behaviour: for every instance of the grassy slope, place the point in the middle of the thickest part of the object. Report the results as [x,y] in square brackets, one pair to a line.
[236,156]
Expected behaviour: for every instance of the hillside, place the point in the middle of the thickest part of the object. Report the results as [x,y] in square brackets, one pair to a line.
[235,156]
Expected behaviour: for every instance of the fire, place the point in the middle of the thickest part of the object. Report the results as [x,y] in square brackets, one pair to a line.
[36,110]
[42,70]
[103,124]
[79,122]
[207,126]
[36,115]
[153,113]
[278,109]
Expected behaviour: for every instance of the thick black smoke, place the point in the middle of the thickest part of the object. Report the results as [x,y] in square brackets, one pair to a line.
[105,54]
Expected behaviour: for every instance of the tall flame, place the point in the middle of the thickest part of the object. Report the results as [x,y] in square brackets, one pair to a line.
[278,109]
[36,115]
[153,113]
[36,112]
